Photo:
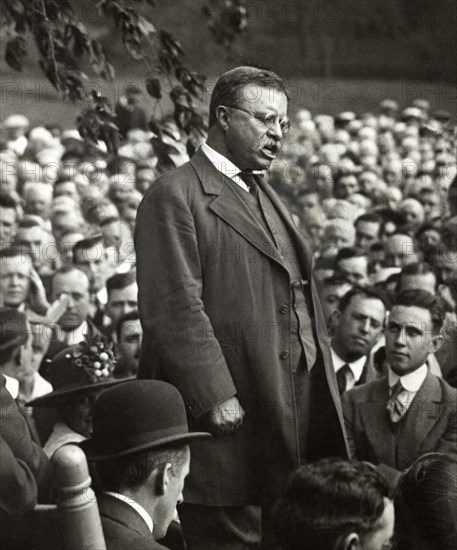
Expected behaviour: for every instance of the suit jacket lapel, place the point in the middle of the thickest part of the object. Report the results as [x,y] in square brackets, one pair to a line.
[374,418]
[420,419]
[290,224]
[231,208]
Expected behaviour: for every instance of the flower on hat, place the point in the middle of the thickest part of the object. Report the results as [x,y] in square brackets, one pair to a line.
[95,356]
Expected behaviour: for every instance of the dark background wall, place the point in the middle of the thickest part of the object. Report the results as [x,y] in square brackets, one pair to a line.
[414,39]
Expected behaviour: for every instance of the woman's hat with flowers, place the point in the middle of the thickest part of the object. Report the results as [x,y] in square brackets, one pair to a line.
[81,368]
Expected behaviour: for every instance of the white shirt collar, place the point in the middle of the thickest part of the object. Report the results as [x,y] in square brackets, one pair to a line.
[411,382]
[356,366]
[224,165]
[128,500]
[12,385]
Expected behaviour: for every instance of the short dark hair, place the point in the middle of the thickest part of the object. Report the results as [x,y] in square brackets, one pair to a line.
[131,471]
[416,268]
[13,332]
[7,201]
[423,299]
[370,217]
[365,292]
[85,244]
[347,253]
[328,500]
[13,252]
[29,221]
[426,503]
[228,89]
[130,316]
[338,279]
[119,281]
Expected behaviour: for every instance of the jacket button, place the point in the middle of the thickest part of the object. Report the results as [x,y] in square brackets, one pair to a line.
[284,309]
[284,354]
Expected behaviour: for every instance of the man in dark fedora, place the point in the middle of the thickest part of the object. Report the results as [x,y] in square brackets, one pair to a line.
[140,447]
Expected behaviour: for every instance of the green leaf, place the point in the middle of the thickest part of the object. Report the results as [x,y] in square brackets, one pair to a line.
[145,26]
[15,51]
[154,87]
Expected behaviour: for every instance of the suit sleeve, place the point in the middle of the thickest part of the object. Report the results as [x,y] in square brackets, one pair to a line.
[177,329]
[18,487]
[24,467]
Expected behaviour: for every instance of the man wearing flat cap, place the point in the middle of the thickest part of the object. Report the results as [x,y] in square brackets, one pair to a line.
[140,447]
[231,316]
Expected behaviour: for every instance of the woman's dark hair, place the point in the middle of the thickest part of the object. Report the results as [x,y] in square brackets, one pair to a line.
[426,504]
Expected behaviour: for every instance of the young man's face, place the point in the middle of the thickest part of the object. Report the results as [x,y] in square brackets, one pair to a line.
[359,327]
[7,224]
[122,301]
[409,338]
[93,261]
[129,347]
[75,285]
[15,280]
[366,234]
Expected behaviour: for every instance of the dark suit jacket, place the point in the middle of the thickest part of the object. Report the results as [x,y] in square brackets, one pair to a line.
[213,291]
[123,527]
[23,465]
[430,424]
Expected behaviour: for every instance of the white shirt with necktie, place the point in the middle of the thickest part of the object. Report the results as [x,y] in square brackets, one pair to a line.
[355,368]
[411,384]
[225,166]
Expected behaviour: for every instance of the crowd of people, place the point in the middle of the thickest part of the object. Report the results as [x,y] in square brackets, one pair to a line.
[375,196]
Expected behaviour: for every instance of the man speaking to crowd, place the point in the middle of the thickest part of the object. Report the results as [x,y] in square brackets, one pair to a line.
[231,315]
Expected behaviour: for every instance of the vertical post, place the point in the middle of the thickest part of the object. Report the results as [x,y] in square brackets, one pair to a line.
[79,518]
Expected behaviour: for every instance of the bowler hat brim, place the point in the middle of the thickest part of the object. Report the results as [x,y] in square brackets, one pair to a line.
[96,450]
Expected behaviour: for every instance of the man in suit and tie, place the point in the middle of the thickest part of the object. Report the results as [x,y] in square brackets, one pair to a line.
[231,315]
[359,322]
[394,420]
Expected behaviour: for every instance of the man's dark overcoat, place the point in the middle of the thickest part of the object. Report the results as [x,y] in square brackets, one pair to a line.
[214,302]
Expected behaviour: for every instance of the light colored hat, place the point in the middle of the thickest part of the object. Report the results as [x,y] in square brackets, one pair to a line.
[16,121]
[412,112]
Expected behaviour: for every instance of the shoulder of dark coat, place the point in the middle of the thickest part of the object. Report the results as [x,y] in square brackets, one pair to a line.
[364,391]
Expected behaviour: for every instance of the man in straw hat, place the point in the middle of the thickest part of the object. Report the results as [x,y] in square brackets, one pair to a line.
[141,453]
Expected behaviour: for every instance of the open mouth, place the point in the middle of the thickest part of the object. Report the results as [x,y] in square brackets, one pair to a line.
[270,150]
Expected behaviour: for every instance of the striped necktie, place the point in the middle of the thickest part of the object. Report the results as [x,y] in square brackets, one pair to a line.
[395,408]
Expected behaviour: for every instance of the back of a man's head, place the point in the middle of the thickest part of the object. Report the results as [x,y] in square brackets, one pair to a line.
[129,473]
[328,504]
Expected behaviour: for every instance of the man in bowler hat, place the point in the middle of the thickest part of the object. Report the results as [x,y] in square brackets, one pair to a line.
[140,447]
